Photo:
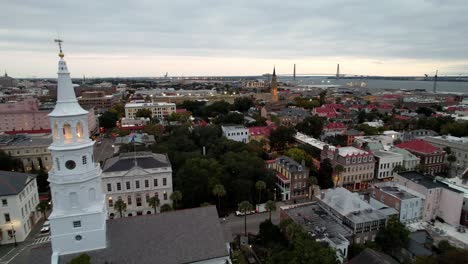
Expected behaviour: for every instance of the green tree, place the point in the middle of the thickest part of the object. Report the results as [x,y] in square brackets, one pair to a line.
[297,154]
[451,159]
[325,172]
[120,206]
[393,237]
[154,203]
[81,259]
[260,186]
[338,170]
[219,191]
[243,104]
[322,97]
[166,208]
[144,112]
[282,136]
[176,196]
[43,207]
[196,179]
[312,126]
[108,119]
[270,206]
[245,207]
[399,168]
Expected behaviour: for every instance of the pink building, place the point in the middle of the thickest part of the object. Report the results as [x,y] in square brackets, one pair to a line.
[25,117]
[440,201]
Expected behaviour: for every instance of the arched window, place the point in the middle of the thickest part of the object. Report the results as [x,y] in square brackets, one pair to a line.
[92,194]
[56,131]
[67,132]
[79,130]
[73,199]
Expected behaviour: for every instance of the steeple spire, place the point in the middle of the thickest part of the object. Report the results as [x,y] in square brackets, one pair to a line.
[274,71]
[67,104]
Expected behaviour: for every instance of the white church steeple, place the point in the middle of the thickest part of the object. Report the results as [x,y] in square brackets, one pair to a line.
[78,219]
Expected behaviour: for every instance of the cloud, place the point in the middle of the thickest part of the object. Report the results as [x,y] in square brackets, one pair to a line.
[276,29]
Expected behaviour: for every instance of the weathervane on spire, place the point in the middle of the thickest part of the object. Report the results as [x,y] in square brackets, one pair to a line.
[59,41]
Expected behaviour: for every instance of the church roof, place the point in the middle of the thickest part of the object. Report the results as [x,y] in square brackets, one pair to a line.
[182,236]
[144,160]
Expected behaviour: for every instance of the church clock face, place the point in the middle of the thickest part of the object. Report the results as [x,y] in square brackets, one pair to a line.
[70,164]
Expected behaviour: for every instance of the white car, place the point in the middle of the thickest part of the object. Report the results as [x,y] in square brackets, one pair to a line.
[45,227]
[239,213]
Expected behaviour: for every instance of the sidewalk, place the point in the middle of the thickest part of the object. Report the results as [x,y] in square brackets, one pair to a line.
[9,252]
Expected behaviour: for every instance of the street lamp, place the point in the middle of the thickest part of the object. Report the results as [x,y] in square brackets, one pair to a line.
[14,233]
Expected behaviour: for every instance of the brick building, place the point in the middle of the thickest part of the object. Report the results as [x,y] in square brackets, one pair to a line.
[432,158]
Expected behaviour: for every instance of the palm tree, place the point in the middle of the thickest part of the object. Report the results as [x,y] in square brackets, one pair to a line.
[245,207]
[270,206]
[43,207]
[260,185]
[338,170]
[451,159]
[175,197]
[120,206]
[219,191]
[154,202]
[166,208]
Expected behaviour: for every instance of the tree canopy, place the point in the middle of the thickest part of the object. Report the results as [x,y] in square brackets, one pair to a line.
[312,126]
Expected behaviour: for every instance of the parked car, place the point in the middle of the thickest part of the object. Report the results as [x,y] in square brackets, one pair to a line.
[45,227]
[239,213]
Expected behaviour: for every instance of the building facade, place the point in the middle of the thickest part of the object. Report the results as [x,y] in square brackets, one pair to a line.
[31,150]
[134,178]
[291,178]
[394,195]
[78,219]
[458,147]
[237,133]
[98,100]
[385,163]
[26,117]
[358,166]
[364,220]
[440,200]
[410,161]
[432,158]
[18,201]
[159,110]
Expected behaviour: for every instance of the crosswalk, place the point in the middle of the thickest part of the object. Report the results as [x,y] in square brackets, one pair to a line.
[41,240]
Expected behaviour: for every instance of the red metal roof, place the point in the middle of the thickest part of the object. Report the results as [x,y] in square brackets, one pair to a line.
[419,145]
[282,177]
[336,125]
[261,130]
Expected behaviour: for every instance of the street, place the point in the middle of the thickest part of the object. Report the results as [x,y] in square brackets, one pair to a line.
[234,225]
[9,254]
[104,150]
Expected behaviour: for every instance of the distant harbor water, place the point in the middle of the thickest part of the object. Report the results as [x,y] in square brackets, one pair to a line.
[452,87]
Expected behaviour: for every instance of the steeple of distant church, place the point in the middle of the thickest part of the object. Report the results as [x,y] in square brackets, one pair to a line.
[78,219]
[274,87]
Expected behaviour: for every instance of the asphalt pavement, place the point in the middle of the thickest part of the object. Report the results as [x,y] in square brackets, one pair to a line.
[234,225]
[104,150]
[9,254]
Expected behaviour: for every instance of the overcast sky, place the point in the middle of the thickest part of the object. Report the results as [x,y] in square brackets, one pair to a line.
[241,37]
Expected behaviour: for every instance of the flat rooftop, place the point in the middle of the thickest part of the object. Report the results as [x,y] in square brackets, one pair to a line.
[425,180]
[155,104]
[397,192]
[381,153]
[316,220]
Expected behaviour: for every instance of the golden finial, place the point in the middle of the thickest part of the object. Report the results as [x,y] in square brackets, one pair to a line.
[59,41]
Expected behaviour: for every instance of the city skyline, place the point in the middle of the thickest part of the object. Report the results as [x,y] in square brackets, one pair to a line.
[243,38]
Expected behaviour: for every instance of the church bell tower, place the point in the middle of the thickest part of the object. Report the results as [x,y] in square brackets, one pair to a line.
[78,219]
